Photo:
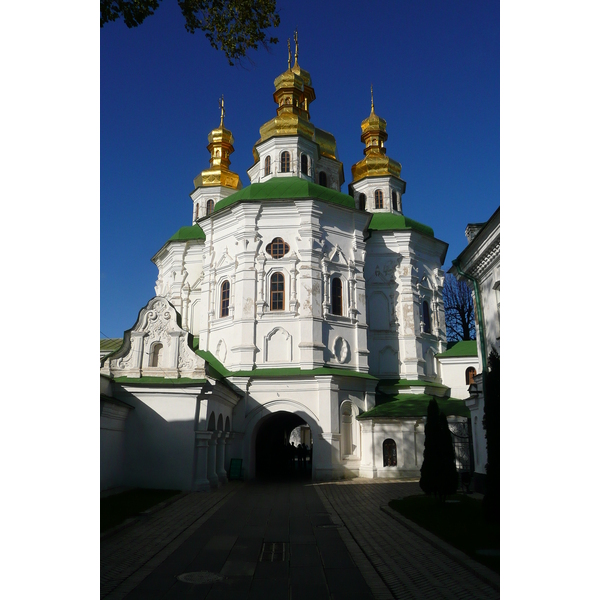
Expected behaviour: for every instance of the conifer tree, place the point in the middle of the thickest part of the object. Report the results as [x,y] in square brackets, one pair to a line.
[438,471]
[448,476]
[491,424]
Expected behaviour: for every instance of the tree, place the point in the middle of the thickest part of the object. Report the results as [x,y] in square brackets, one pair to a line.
[233,26]
[438,471]
[491,424]
[459,309]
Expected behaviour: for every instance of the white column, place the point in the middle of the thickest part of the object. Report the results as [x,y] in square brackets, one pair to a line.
[201,483]
[221,443]
[212,459]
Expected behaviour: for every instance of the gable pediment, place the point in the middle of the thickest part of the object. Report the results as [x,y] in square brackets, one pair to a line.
[156,346]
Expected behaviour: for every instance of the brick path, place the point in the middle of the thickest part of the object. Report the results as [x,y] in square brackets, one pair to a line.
[215,531]
[404,558]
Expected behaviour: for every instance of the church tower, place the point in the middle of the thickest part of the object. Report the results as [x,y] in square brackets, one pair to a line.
[217,182]
[404,280]
[376,184]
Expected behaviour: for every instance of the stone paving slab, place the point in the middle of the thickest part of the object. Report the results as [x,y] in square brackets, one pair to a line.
[341,543]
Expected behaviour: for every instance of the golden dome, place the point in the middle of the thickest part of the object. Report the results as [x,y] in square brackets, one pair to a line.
[375,163]
[220,146]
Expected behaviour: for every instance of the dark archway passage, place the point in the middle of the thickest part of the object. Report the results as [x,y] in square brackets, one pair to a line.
[274,458]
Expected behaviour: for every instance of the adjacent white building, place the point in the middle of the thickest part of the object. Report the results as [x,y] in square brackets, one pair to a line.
[479,265]
[282,305]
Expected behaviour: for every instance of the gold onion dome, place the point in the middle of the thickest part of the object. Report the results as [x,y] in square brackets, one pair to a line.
[293,95]
[375,163]
[220,146]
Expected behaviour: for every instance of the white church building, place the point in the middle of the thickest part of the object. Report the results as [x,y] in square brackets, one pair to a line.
[286,307]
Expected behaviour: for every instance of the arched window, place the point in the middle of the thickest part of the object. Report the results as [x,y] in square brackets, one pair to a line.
[378,199]
[196,211]
[389,453]
[285,162]
[278,248]
[211,422]
[210,206]
[362,202]
[323,178]
[277,291]
[304,164]
[470,375]
[336,296]
[426,317]
[225,289]
[394,201]
[155,355]
[268,165]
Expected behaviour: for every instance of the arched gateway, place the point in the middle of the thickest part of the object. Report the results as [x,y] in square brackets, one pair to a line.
[270,430]
[282,447]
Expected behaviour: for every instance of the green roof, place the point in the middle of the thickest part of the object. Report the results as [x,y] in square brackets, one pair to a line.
[298,372]
[110,344]
[159,381]
[408,383]
[464,348]
[215,368]
[286,188]
[393,222]
[413,405]
[218,371]
[189,232]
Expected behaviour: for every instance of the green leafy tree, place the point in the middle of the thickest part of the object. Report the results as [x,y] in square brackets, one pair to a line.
[438,471]
[459,310]
[491,424]
[233,26]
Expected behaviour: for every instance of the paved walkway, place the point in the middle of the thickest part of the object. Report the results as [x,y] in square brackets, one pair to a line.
[286,541]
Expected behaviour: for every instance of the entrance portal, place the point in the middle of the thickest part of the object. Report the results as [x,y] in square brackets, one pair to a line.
[276,457]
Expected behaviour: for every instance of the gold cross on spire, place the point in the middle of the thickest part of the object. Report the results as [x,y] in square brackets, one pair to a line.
[222,107]
[296,41]
[372,105]
[289,55]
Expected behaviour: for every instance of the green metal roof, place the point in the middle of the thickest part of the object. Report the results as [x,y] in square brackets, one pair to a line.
[286,188]
[413,405]
[298,372]
[464,348]
[408,383]
[219,371]
[110,344]
[393,222]
[189,232]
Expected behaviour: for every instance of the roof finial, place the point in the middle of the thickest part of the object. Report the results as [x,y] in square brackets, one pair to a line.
[289,55]
[372,104]
[222,107]
[296,41]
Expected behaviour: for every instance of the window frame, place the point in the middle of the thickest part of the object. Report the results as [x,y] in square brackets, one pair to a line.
[426,316]
[267,166]
[337,301]
[285,162]
[304,164]
[362,202]
[210,206]
[277,242]
[323,178]
[378,199]
[280,301]
[224,301]
[470,374]
[394,453]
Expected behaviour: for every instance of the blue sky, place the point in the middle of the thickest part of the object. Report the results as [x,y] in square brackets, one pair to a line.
[435,70]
